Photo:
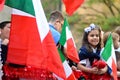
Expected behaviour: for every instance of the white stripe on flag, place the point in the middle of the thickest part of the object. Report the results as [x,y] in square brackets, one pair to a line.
[67,69]
[42,23]
[19,12]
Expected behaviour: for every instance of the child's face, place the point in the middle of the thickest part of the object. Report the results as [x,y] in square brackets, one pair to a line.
[93,38]
[5,31]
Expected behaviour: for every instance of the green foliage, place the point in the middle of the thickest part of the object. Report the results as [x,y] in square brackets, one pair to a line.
[49,6]
[90,2]
[107,24]
[110,23]
[73,19]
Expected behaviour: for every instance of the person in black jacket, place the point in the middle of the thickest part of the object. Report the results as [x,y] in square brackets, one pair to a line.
[4,39]
[4,36]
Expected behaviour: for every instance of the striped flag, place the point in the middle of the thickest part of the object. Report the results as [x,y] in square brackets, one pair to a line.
[68,71]
[67,41]
[31,41]
[108,55]
[2,4]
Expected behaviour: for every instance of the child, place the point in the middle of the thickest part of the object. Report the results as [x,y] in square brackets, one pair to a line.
[90,64]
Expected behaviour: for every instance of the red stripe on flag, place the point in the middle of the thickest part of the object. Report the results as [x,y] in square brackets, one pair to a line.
[52,61]
[72,5]
[114,69]
[71,77]
[71,51]
[22,35]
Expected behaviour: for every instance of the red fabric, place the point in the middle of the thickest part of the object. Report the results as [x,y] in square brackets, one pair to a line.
[77,73]
[71,77]
[72,5]
[101,77]
[15,73]
[114,69]
[89,76]
[72,51]
[26,48]
[99,64]
[2,4]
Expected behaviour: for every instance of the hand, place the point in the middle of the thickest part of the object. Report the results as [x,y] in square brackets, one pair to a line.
[5,41]
[74,68]
[103,70]
[94,70]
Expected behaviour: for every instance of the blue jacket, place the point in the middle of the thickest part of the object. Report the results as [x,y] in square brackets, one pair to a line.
[84,54]
[55,34]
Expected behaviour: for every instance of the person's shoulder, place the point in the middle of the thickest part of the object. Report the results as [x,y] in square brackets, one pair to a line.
[83,49]
[51,26]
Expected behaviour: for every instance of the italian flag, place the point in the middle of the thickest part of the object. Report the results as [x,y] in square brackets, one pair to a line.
[31,41]
[67,41]
[68,71]
[108,55]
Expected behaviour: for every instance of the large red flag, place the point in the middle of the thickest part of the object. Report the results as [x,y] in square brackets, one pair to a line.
[31,41]
[1,4]
[72,5]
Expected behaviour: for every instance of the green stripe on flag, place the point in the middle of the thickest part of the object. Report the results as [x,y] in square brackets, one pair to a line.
[107,52]
[26,7]
[63,33]
[61,55]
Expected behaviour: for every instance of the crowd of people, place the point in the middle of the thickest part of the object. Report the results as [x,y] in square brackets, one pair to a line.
[91,66]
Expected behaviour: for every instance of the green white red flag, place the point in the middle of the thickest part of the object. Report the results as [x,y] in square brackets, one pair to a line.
[2,4]
[67,41]
[72,5]
[31,41]
[108,55]
[68,71]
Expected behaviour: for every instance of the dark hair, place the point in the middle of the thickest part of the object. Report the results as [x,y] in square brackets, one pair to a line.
[85,39]
[3,24]
[114,37]
[56,15]
[117,55]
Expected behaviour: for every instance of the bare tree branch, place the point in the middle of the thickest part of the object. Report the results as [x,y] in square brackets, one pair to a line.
[108,3]
[95,11]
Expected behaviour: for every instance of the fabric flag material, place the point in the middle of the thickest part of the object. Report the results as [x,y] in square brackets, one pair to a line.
[67,41]
[72,5]
[31,41]
[68,70]
[2,4]
[108,55]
